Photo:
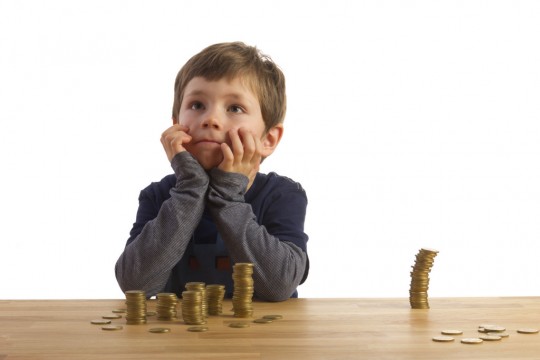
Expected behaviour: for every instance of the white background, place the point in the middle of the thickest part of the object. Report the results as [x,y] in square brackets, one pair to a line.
[410,124]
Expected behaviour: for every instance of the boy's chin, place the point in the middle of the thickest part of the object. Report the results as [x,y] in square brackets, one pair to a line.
[209,164]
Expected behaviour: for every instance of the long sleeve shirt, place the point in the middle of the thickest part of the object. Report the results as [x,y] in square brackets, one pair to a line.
[193,225]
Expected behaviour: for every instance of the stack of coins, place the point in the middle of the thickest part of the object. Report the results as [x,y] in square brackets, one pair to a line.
[166,306]
[192,308]
[243,290]
[214,295]
[418,295]
[199,286]
[136,307]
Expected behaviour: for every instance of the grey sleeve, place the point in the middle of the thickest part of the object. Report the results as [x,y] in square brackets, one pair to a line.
[278,265]
[147,261]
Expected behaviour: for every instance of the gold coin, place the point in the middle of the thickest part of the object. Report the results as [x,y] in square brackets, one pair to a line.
[112,327]
[472,341]
[151,313]
[160,330]
[502,335]
[443,338]
[119,311]
[100,322]
[197,329]
[527,331]
[490,337]
[273,317]
[494,328]
[451,332]
[239,325]
[263,321]
[112,317]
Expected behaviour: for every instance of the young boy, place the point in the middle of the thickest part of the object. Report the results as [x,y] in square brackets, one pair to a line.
[217,209]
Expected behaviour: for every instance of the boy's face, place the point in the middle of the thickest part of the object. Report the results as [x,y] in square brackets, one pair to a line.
[210,109]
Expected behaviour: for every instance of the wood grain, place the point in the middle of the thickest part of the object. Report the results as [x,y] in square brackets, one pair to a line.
[310,329]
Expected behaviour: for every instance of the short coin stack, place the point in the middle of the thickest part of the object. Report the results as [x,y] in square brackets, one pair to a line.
[166,306]
[243,289]
[136,307]
[199,286]
[214,295]
[418,295]
[192,308]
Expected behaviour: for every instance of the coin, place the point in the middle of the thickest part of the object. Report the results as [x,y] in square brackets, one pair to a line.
[159,330]
[239,325]
[502,335]
[490,337]
[443,338]
[112,327]
[198,329]
[273,317]
[100,322]
[151,313]
[451,332]
[119,311]
[527,331]
[494,328]
[263,321]
[472,341]
[112,317]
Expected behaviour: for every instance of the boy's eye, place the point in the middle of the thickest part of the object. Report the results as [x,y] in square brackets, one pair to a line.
[236,109]
[196,105]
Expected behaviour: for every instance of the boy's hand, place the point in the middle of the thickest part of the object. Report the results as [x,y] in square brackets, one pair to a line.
[245,155]
[173,140]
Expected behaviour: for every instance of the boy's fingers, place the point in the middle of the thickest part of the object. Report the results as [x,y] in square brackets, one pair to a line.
[248,142]
[236,142]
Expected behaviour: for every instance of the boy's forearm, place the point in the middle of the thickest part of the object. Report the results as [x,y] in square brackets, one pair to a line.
[279,265]
[147,261]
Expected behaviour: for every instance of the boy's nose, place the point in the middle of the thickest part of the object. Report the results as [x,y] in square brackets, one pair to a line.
[212,120]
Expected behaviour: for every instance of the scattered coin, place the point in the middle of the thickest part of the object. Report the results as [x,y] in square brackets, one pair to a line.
[197,328]
[502,334]
[527,331]
[451,332]
[159,330]
[112,327]
[112,317]
[472,341]
[263,321]
[494,328]
[490,337]
[119,311]
[273,317]
[239,325]
[443,338]
[100,322]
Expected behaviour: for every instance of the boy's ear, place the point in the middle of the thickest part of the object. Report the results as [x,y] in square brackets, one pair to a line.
[271,139]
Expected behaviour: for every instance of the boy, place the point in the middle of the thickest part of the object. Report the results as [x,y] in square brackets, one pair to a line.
[217,209]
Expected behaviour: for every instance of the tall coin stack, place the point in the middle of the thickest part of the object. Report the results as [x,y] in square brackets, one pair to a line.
[214,295]
[418,295]
[200,286]
[192,308]
[135,307]
[166,306]
[243,289]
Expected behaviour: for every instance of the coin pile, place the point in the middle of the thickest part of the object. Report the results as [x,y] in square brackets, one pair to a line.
[192,308]
[136,307]
[418,295]
[199,286]
[243,289]
[214,296]
[166,306]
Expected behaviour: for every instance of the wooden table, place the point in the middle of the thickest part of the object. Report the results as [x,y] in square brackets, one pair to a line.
[310,329]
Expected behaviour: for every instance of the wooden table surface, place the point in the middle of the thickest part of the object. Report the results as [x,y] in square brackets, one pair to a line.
[310,329]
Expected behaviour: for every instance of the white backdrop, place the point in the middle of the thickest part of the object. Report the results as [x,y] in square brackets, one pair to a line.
[410,124]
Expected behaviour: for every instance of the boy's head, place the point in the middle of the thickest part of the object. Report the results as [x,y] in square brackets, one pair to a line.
[237,60]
